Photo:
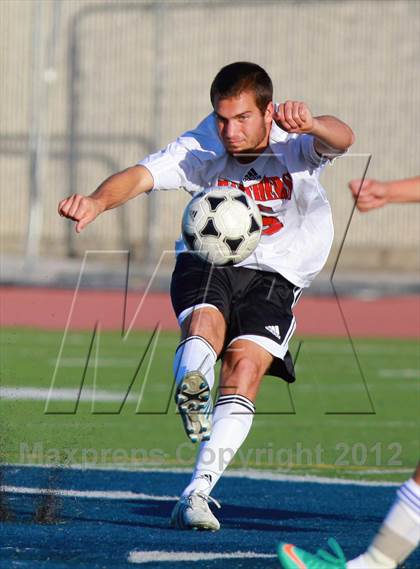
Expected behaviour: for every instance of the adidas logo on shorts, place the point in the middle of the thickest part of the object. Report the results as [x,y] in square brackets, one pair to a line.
[275,330]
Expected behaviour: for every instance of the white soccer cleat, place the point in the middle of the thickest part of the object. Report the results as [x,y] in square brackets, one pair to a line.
[193,512]
[193,398]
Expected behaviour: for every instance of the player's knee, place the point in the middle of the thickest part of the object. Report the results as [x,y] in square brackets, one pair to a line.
[205,319]
[207,323]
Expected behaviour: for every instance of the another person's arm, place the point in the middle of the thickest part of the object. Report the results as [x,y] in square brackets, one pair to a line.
[113,192]
[374,194]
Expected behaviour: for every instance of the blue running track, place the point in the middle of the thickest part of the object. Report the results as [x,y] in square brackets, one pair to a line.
[100,531]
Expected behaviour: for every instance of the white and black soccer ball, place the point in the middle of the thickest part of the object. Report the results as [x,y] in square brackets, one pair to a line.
[222,225]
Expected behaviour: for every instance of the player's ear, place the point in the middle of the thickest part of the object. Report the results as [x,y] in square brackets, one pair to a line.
[269,112]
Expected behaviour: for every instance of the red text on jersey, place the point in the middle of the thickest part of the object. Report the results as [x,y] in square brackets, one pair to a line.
[267,189]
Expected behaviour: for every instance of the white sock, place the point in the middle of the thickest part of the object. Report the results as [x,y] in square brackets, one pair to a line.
[232,420]
[371,559]
[399,534]
[193,354]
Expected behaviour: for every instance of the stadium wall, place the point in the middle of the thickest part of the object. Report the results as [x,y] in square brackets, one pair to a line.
[92,87]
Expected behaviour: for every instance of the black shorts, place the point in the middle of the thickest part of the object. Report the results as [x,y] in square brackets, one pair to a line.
[256,305]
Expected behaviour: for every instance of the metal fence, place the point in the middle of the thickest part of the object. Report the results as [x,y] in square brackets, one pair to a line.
[89,88]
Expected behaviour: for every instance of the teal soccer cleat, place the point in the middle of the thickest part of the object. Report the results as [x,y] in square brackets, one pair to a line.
[291,557]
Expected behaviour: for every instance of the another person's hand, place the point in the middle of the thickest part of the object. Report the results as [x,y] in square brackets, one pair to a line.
[373,194]
[81,209]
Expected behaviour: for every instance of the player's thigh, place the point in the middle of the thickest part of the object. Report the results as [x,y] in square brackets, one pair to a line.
[207,322]
[196,284]
[265,317]
[267,311]
[201,297]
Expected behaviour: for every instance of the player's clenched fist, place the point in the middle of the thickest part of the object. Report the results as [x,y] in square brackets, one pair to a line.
[294,117]
[81,209]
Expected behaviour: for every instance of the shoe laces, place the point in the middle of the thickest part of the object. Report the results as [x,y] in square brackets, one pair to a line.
[338,552]
[206,498]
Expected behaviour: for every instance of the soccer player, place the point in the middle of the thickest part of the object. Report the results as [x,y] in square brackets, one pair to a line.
[241,314]
[399,533]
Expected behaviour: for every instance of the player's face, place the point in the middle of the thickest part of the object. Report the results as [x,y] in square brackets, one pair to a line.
[243,128]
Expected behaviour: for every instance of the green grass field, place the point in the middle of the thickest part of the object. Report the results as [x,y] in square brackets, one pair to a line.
[323,424]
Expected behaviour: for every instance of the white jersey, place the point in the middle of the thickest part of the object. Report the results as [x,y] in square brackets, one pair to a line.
[284,182]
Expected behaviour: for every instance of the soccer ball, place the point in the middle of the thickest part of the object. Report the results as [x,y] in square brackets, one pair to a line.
[222,225]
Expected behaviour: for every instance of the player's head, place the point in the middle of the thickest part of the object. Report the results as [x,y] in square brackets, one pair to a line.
[235,78]
[241,95]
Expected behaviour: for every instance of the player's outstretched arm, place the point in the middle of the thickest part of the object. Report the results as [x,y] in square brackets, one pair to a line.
[372,194]
[332,136]
[113,192]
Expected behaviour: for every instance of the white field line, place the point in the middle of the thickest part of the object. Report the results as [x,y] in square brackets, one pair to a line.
[248,474]
[96,494]
[173,556]
[381,471]
[399,373]
[371,349]
[89,395]
[387,424]
[102,362]
[276,477]
[354,387]
[62,394]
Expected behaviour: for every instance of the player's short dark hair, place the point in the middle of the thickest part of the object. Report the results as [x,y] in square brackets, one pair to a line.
[235,78]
